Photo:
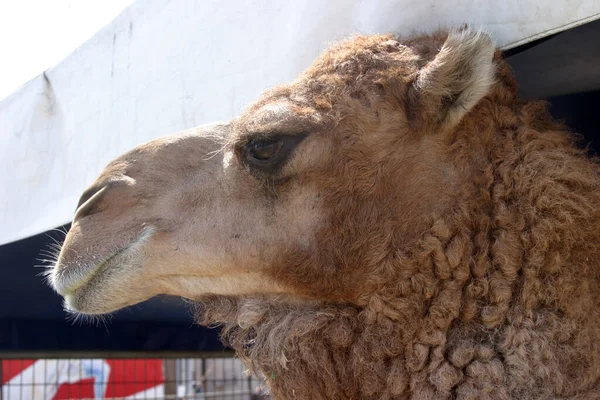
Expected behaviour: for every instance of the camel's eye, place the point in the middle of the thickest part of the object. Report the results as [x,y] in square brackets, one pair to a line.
[267,155]
[264,151]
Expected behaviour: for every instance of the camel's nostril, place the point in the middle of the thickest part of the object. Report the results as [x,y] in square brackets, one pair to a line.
[87,195]
[88,201]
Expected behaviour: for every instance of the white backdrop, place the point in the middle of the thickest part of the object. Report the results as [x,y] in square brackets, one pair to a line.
[164,66]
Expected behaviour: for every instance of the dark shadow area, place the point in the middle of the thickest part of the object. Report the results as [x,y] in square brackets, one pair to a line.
[562,64]
[579,112]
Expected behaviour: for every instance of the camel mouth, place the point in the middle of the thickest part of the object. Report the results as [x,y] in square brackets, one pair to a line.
[68,280]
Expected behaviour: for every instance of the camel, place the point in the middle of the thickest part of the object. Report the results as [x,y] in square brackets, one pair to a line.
[396,223]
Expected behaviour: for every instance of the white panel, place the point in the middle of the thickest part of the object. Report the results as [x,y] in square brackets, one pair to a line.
[164,66]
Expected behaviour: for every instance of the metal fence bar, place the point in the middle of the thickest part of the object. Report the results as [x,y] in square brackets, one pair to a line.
[20,355]
[200,376]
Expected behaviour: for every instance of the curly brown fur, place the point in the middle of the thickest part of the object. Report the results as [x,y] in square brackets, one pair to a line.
[484,286]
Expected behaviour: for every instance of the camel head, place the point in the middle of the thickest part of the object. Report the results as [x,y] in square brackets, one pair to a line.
[302,196]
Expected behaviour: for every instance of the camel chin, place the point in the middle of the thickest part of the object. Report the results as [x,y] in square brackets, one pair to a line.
[105,286]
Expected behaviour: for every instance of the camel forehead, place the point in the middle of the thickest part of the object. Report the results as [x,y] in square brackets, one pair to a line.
[276,114]
[348,60]
[353,66]
[269,113]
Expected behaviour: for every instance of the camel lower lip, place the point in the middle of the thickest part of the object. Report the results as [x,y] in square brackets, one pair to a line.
[68,279]
[66,284]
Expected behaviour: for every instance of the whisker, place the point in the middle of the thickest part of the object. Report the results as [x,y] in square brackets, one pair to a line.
[47,255]
[47,276]
[56,242]
[214,153]
[60,229]
[75,317]
[50,251]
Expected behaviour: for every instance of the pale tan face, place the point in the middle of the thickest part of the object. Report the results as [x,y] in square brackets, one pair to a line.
[190,214]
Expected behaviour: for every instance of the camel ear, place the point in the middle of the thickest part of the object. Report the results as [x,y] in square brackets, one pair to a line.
[460,75]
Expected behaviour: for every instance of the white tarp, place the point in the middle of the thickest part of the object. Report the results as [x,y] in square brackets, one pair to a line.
[164,66]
